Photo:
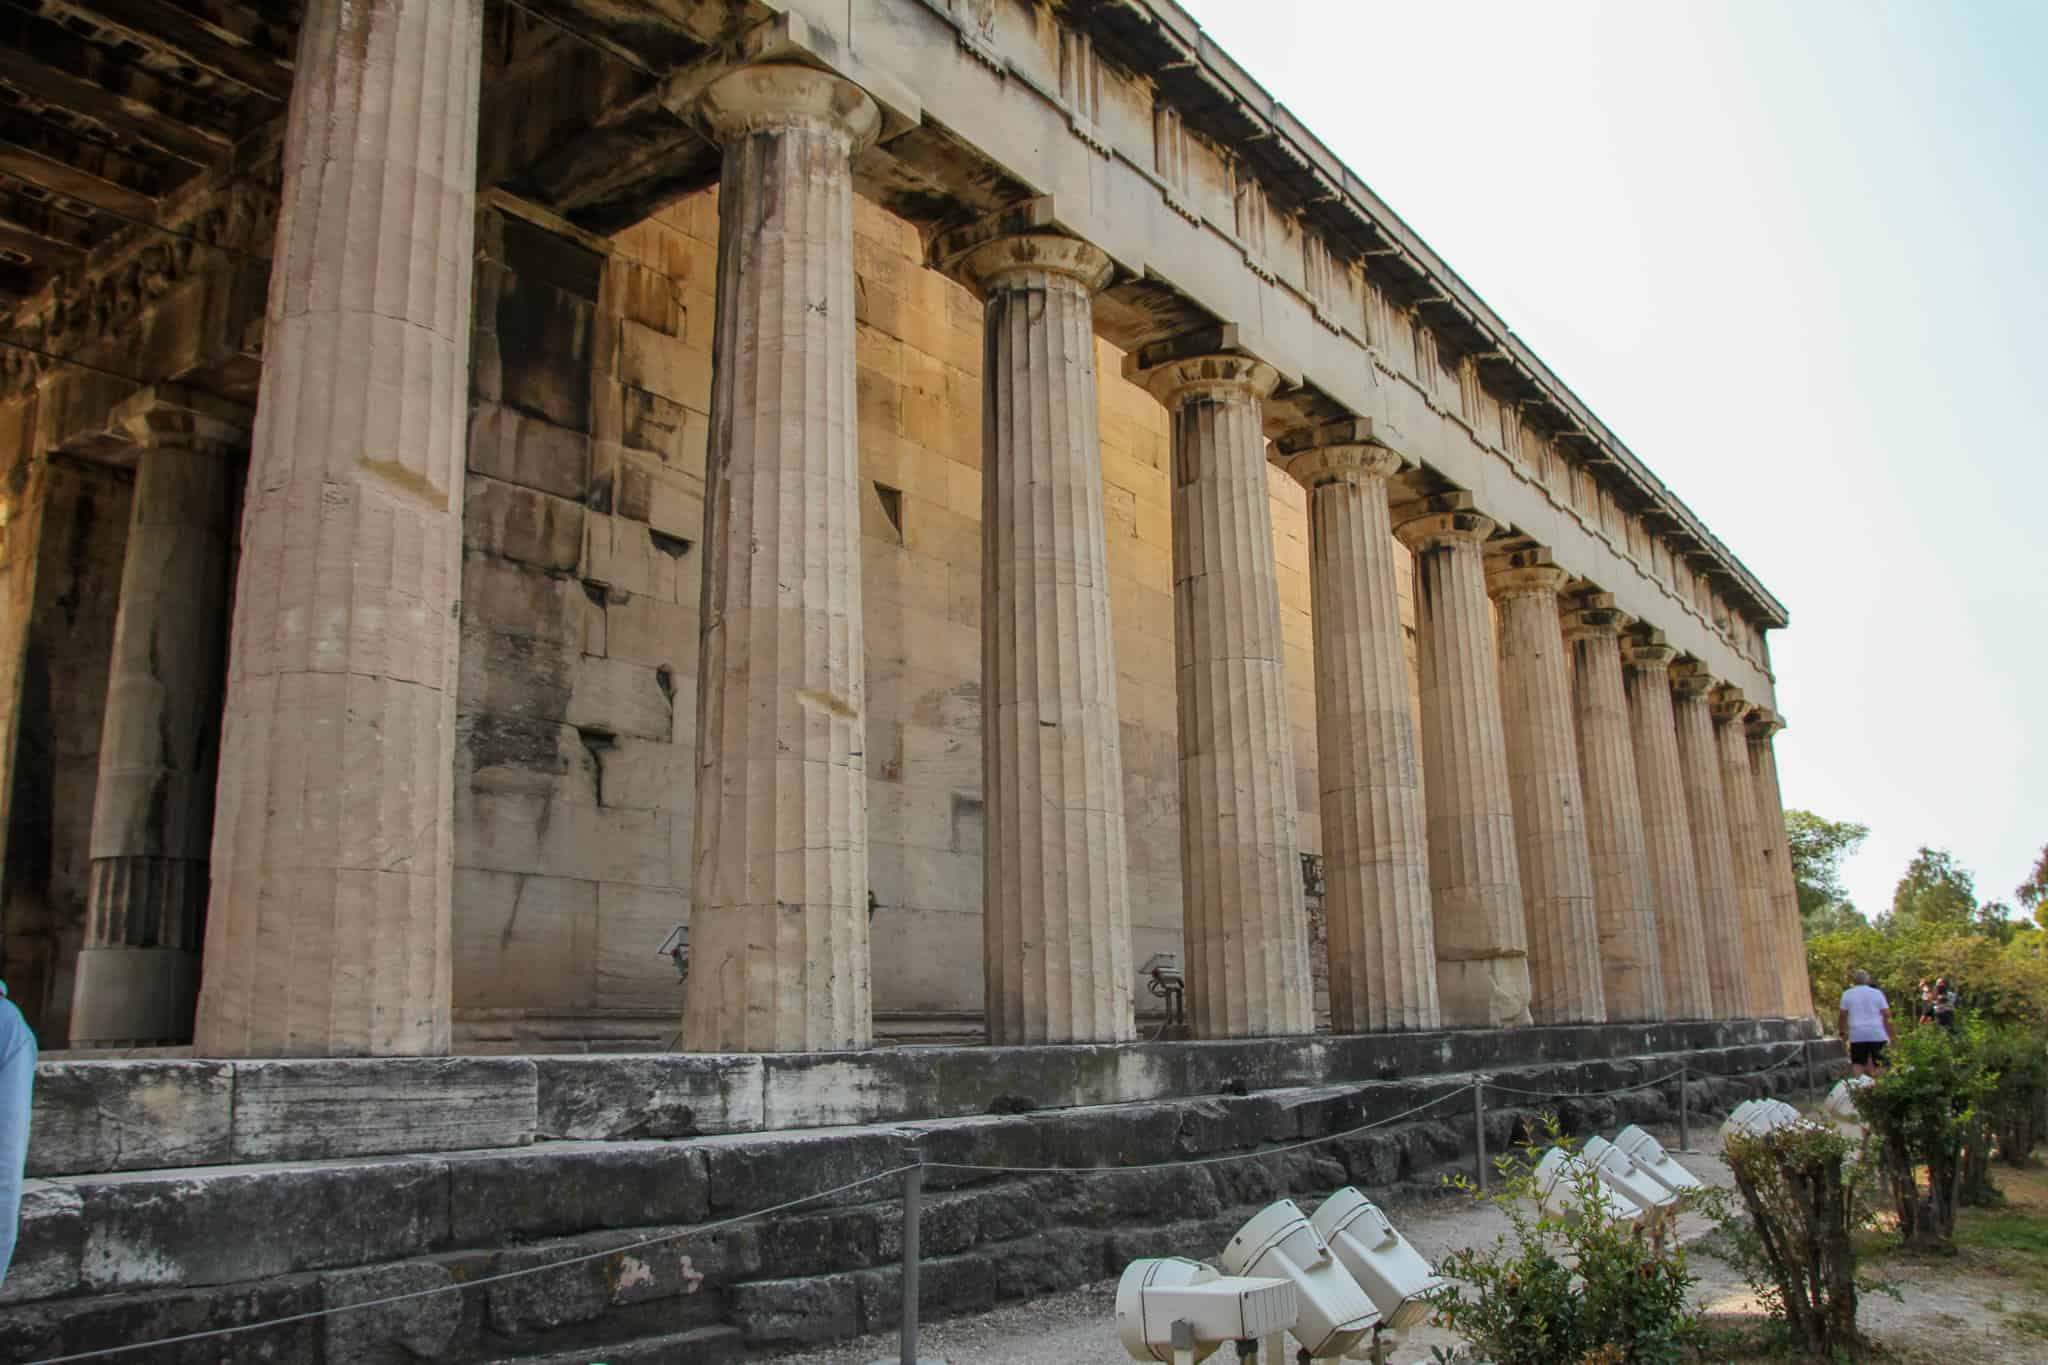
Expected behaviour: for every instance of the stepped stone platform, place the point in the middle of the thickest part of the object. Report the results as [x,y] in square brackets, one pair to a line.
[173,1197]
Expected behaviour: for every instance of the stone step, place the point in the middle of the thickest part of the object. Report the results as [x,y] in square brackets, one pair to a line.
[700,1346]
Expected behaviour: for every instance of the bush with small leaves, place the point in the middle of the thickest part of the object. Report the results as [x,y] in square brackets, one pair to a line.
[1800,1187]
[1923,1111]
[1564,1290]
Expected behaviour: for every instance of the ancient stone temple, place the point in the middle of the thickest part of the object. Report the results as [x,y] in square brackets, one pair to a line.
[930,504]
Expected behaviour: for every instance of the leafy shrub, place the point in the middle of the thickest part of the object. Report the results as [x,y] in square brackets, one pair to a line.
[2016,1111]
[1922,1111]
[1563,1291]
[2001,983]
[1799,1187]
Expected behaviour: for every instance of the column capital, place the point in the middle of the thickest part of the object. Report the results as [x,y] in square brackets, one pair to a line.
[1015,247]
[1764,722]
[1444,519]
[1727,703]
[1689,678]
[769,95]
[171,416]
[1594,614]
[1646,650]
[1218,374]
[1525,572]
[1353,450]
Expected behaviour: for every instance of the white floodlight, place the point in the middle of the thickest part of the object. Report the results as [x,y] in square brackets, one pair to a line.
[1560,1176]
[1334,1313]
[1757,1117]
[1390,1270]
[1172,1309]
[1840,1106]
[1651,1156]
[1620,1173]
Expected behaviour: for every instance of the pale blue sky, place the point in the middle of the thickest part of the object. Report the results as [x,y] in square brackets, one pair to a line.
[1793,253]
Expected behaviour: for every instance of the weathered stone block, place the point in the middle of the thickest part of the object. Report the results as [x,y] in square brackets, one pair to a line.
[562,1188]
[312,1110]
[426,1328]
[236,1223]
[640,1096]
[523,524]
[798,1312]
[111,1322]
[49,1243]
[746,1173]
[129,1115]
[515,448]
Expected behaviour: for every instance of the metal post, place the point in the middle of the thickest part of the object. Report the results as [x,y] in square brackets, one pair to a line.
[913,1210]
[913,1207]
[1479,1127]
[1684,1109]
[1812,1088]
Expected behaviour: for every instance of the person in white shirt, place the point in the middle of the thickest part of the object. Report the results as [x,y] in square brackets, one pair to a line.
[1865,1019]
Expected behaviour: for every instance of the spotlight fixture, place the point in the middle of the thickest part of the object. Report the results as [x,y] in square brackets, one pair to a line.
[1560,1179]
[1840,1106]
[1172,1309]
[1334,1313]
[1756,1117]
[1390,1270]
[1651,1156]
[1619,1172]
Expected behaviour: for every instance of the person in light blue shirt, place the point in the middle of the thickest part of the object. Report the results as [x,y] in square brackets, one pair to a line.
[17,1077]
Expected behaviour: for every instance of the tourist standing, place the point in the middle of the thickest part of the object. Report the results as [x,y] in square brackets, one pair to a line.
[1865,1020]
[17,1076]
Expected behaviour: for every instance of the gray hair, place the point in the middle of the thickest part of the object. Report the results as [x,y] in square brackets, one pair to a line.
[1862,978]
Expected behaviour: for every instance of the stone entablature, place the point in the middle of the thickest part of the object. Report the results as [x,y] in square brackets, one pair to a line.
[1332,289]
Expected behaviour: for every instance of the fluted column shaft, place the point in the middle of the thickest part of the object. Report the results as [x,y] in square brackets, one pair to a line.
[1376,898]
[1474,879]
[779,926]
[1632,975]
[327,932]
[1667,832]
[1782,885]
[1761,943]
[137,979]
[1246,932]
[1056,903]
[1699,761]
[1549,800]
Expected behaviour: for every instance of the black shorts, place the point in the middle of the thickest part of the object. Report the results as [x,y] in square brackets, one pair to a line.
[1867,1054]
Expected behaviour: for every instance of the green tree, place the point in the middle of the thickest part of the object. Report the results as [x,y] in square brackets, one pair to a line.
[2033,892]
[1818,847]
[1935,890]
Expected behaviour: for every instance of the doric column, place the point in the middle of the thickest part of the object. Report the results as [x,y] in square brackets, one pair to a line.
[152,818]
[1376,900]
[1475,885]
[1056,904]
[778,924]
[1246,932]
[1783,886]
[1760,943]
[1632,975]
[327,931]
[1549,802]
[1699,761]
[1667,828]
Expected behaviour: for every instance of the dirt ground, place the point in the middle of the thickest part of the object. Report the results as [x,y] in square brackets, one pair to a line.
[1988,1303]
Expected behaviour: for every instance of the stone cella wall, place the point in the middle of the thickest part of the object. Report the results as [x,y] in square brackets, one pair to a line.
[277,1208]
[577,709]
